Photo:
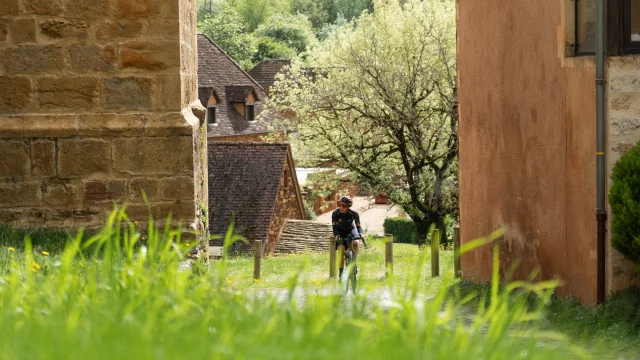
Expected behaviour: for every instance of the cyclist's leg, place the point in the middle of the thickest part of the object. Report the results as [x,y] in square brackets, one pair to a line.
[340,246]
[354,242]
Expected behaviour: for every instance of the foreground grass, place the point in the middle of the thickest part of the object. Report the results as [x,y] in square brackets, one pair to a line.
[107,297]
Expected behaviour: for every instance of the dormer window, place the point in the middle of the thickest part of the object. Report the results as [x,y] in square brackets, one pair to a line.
[214,100]
[211,115]
[249,112]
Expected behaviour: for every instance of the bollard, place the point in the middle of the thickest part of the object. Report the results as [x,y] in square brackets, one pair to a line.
[388,254]
[456,251]
[257,257]
[435,253]
[332,257]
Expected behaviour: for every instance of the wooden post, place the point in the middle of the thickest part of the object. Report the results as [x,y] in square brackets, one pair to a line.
[456,251]
[435,253]
[388,258]
[257,257]
[332,257]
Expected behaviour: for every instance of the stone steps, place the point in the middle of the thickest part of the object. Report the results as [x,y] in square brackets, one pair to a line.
[300,236]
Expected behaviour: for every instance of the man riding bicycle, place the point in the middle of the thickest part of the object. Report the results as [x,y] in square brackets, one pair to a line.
[346,228]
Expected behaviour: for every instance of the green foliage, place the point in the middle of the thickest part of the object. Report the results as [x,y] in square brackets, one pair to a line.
[322,184]
[624,198]
[268,48]
[293,31]
[227,31]
[308,211]
[313,10]
[256,12]
[403,230]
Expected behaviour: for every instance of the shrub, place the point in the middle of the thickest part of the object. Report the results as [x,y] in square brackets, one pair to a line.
[403,230]
[308,210]
[624,198]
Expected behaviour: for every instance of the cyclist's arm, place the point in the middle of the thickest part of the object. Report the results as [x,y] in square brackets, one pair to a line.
[334,222]
[356,219]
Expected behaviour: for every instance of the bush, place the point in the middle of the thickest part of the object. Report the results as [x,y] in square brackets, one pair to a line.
[403,230]
[624,198]
[308,210]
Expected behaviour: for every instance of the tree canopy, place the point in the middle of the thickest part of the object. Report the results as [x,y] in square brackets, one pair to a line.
[254,30]
[380,99]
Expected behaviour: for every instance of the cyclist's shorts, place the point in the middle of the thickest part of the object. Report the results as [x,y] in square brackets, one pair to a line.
[346,240]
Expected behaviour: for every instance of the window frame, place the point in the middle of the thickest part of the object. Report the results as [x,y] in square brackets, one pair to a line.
[247,112]
[628,46]
[576,46]
[211,109]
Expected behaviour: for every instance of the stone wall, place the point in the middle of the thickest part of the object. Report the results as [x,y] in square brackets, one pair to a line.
[286,207]
[95,107]
[623,132]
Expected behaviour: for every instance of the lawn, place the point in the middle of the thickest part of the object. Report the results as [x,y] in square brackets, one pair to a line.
[107,296]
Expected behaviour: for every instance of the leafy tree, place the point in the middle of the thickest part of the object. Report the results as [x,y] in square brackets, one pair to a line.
[349,9]
[268,48]
[208,7]
[313,10]
[256,12]
[624,198]
[380,99]
[226,30]
[332,29]
[294,31]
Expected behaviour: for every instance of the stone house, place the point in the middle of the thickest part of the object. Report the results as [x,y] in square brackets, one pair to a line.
[98,100]
[528,106]
[265,72]
[233,99]
[255,184]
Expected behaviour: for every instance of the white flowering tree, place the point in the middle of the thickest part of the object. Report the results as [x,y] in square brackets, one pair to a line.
[379,97]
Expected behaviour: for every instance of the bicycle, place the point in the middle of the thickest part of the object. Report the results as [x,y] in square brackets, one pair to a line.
[349,256]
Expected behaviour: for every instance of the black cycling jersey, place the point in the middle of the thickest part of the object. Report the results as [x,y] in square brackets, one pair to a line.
[343,223]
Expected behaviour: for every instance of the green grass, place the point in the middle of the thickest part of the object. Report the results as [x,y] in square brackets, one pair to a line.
[106,296]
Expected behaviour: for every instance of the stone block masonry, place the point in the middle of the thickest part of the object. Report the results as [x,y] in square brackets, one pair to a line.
[95,108]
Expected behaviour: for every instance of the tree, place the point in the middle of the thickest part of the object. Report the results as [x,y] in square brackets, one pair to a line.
[294,31]
[380,99]
[227,31]
[268,48]
[313,10]
[256,12]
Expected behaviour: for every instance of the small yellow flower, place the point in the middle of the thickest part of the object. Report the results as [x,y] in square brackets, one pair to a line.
[36,266]
[188,244]
[34,270]
[229,281]
[95,260]
[12,256]
[135,222]
[12,249]
[257,281]
[45,253]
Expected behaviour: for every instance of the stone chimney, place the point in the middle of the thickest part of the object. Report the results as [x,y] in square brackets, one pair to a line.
[96,106]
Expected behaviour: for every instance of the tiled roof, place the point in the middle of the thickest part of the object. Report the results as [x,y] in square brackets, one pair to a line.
[216,70]
[238,93]
[244,179]
[265,72]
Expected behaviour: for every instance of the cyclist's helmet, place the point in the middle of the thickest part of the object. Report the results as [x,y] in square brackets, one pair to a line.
[347,200]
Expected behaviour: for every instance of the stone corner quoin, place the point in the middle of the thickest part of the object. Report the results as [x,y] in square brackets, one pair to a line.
[92,111]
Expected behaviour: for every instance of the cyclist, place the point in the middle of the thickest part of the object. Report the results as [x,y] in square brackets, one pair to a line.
[346,228]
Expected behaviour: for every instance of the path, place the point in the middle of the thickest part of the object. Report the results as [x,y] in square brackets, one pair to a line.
[371,215]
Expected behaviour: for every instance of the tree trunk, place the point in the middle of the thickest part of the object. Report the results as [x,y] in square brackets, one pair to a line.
[442,229]
[422,225]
